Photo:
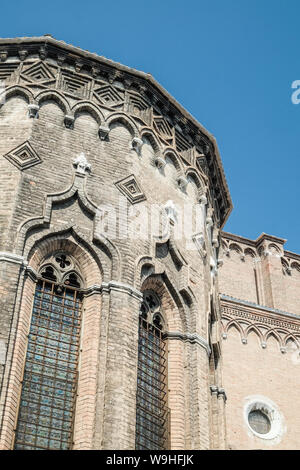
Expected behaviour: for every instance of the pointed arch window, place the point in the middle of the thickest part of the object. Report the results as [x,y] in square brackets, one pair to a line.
[46,411]
[152,414]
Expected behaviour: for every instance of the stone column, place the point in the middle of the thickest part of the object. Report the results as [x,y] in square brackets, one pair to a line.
[119,410]
[198,371]
[14,331]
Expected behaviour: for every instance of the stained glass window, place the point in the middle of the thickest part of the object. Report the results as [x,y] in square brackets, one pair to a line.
[46,410]
[152,413]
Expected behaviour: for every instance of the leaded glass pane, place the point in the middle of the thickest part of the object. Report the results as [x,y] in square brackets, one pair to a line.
[152,411]
[49,385]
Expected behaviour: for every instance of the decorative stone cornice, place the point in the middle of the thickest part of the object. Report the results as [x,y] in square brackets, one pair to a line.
[246,309]
[260,244]
[247,317]
[141,87]
[192,338]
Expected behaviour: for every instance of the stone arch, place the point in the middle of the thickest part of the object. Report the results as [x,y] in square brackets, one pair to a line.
[224,244]
[87,257]
[292,339]
[172,155]
[254,329]
[37,225]
[90,108]
[295,265]
[285,265]
[199,185]
[90,334]
[145,267]
[273,334]
[274,248]
[53,95]
[235,247]
[18,90]
[164,288]
[125,120]
[234,325]
[249,252]
[150,135]
[198,179]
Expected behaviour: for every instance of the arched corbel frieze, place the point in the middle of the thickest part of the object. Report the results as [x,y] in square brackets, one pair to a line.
[17,90]
[53,95]
[125,120]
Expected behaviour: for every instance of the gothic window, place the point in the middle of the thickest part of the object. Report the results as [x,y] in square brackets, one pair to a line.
[152,414]
[46,411]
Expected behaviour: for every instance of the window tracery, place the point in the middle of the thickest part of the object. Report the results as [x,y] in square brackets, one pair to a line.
[47,402]
[152,414]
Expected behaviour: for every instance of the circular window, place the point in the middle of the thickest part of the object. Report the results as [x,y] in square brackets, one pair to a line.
[259,421]
[263,418]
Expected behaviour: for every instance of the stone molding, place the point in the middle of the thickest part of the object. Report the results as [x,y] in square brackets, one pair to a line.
[265,322]
[192,338]
[218,391]
[121,287]
[6,257]
[238,307]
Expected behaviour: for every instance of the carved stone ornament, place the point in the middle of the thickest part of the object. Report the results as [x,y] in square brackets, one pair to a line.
[130,187]
[82,165]
[171,211]
[3,55]
[61,59]
[199,241]
[137,145]
[213,267]
[23,54]
[203,199]
[103,132]
[43,52]
[69,121]
[160,163]
[182,182]
[24,156]
[33,110]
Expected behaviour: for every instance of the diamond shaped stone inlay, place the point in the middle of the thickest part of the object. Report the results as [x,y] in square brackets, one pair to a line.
[38,72]
[131,189]
[107,95]
[24,156]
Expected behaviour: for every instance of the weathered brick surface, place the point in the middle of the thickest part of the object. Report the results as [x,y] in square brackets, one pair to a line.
[266,372]
[127,127]
[262,336]
[47,207]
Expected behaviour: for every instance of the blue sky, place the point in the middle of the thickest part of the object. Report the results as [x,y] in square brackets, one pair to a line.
[230,63]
